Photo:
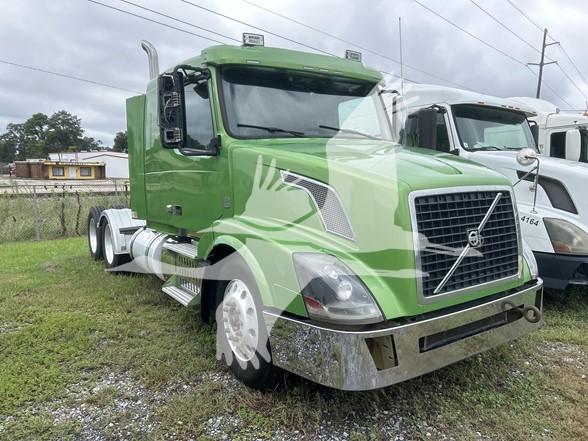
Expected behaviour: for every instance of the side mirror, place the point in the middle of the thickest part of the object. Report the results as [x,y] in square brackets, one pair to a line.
[427,128]
[172,117]
[526,156]
[573,145]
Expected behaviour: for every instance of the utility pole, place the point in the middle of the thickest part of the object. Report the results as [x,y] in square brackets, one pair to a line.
[542,62]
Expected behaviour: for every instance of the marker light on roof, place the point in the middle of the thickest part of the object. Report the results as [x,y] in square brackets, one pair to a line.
[353,55]
[252,39]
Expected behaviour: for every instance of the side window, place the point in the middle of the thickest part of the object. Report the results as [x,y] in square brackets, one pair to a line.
[199,127]
[410,138]
[558,145]
[412,135]
[442,135]
[584,146]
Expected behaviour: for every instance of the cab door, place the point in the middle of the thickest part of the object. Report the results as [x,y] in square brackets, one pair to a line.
[184,185]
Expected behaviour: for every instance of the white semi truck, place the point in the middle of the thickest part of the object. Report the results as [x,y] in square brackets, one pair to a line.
[558,134]
[551,199]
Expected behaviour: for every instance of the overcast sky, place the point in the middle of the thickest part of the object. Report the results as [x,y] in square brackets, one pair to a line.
[85,40]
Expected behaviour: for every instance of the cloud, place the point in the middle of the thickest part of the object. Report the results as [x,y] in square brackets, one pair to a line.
[89,41]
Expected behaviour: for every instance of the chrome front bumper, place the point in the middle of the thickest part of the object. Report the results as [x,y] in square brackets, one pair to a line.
[373,359]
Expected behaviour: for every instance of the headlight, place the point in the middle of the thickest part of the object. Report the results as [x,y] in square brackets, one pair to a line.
[332,292]
[531,261]
[566,237]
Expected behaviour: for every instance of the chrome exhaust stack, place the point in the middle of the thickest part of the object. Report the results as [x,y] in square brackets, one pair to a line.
[153,58]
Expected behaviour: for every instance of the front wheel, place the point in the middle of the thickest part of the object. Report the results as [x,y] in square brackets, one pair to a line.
[241,329]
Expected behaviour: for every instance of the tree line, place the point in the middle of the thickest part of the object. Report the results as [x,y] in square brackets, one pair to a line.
[41,134]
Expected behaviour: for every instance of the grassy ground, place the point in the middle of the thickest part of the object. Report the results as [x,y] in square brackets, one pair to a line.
[89,355]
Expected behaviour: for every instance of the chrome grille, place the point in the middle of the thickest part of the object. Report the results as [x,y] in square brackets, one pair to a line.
[443,222]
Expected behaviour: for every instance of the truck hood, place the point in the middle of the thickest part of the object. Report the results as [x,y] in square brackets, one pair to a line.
[383,163]
[562,176]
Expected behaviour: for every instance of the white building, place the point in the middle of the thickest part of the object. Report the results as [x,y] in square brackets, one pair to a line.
[117,163]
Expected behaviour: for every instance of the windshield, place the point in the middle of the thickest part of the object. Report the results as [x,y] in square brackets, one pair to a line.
[491,128]
[261,102]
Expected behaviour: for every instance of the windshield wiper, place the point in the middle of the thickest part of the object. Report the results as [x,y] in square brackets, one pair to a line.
[487,147]
[273,129]
[355,132]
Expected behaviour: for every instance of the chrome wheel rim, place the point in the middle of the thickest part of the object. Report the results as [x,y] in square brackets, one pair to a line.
[240,320]
[92,234]
[108,248]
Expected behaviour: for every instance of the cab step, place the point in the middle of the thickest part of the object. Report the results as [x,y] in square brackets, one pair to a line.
[189,250]
[184,291]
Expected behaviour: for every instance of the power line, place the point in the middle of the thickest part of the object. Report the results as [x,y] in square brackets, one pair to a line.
[182,21]
[560,46]
[549,87]
[68,76]
[493,47]
[258,28]
[572,63]
[468,33]
[201,36]
[352,43]
[278,35]
[155,21]
[506,27]
[572,81]
[526,16]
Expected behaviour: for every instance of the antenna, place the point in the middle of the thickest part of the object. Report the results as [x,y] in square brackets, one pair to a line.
[401,64]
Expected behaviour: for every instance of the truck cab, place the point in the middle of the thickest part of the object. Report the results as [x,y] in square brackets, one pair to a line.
[558,134]
[552,203]
[267,187]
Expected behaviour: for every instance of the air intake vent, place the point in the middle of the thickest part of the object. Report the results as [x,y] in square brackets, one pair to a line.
[327,202]
[464,239]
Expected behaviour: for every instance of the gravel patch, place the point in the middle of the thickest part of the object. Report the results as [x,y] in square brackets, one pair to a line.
[115,407]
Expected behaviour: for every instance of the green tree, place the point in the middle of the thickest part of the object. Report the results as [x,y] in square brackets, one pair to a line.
[40,135]
[8,148]
[89,143]
[64,131]
[120,142]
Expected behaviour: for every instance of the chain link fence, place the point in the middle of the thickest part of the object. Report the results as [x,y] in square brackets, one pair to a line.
[41,210]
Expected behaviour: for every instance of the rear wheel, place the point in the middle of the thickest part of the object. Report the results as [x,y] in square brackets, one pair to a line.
[241,328]
[111,259]
[95,233]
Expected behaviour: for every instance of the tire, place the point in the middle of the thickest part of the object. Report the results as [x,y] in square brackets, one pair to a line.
[118,206]
[95,233]
[246,346]
[111,260]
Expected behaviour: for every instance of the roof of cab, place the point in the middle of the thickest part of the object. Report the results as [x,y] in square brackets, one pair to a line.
[284,58]
[425,94]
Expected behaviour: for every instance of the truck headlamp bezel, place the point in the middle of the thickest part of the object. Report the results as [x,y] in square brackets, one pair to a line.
[566,238]
[332,292]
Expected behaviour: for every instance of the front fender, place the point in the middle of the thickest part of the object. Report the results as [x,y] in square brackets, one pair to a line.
[270,262]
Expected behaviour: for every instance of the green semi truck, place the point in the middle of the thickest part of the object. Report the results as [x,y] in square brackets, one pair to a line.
[267,187]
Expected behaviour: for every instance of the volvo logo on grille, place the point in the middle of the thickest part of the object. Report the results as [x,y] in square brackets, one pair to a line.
[475,239]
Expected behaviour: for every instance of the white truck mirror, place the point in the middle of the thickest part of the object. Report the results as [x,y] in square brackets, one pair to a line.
[573,145]
[526,156]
